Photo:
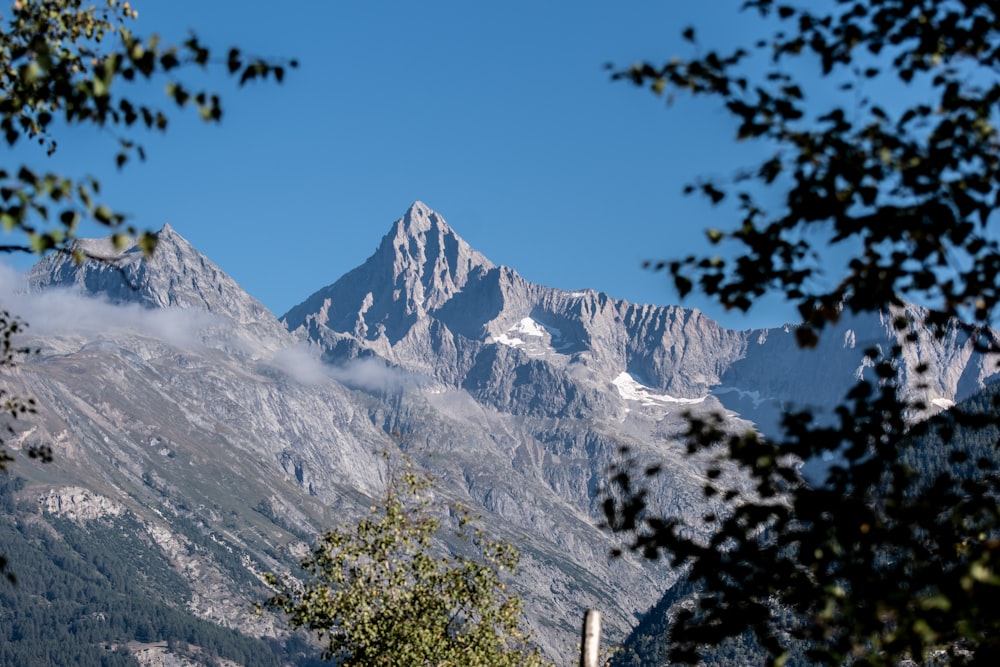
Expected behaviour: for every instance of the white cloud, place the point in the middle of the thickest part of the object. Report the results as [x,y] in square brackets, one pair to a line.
[301,364]
[66,312]
[69,315]
[374,375]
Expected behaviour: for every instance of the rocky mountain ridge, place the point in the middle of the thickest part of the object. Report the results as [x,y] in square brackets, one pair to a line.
[235,443]
[448,311]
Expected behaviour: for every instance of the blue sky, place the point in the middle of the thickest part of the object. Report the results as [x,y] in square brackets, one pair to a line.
[500,116]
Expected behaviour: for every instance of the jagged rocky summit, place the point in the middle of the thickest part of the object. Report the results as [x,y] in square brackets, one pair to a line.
[427,301]
[516,397]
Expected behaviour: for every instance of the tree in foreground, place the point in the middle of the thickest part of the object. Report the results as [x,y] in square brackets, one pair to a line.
[377,595]
[68,63]
[881,120]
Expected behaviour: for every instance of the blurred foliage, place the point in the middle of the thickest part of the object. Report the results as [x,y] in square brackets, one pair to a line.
[68,63]
[12,406]
[907,182]
[880,117]
[377,594]
[646,645]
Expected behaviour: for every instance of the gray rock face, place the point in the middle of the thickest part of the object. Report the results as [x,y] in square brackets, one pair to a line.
[514,396]
[774,375]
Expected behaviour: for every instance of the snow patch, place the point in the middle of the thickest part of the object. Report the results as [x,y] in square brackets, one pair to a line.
[504,339]
[631,390]
[529,327]
[943,403]
[526,328]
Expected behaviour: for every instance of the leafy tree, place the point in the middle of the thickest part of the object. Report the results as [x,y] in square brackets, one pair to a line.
[891,152]
[67,60]
[65,63]
[12,406]
[377,594]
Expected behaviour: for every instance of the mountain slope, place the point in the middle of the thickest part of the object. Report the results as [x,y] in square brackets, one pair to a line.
[204,441]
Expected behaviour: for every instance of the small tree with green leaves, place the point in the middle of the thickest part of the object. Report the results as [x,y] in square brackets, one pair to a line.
[378,594]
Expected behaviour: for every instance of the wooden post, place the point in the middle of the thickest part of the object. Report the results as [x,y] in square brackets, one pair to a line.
[589,647]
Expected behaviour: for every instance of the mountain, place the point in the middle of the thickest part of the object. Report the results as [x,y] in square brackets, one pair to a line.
[213,438]
[428,303]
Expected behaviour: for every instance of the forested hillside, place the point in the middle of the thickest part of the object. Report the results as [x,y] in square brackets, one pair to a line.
[82,595]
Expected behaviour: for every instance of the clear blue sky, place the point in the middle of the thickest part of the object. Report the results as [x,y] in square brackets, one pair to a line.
[499,115]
